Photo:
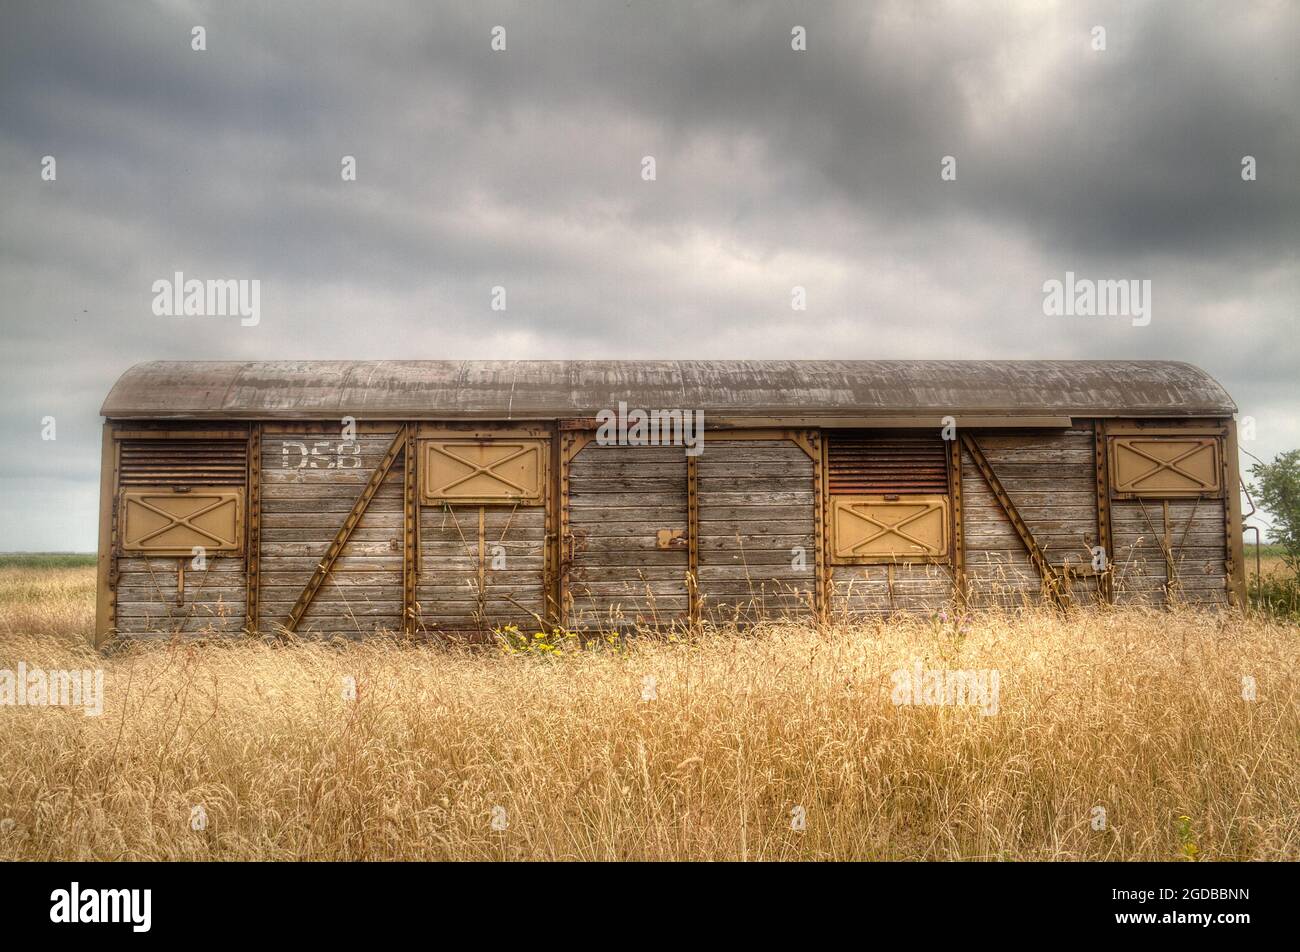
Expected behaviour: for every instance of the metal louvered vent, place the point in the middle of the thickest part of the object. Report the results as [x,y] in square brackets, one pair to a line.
[887,464]
[183,462]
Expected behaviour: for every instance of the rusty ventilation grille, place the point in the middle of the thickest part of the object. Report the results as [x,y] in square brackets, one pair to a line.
[183,462]
[862,463]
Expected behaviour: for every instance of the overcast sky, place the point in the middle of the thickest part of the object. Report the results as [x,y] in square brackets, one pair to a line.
[522,168]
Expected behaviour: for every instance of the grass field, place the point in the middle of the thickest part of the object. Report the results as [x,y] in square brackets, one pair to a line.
[250,751]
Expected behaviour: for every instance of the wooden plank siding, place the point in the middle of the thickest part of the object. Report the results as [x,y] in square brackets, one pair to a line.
[635,521]
[758,503]
[1050,478]
[858,590]
[620,497]
[213,602]
[459,590]
[1195,569]
[999,573]
[302,509]
[1175,551]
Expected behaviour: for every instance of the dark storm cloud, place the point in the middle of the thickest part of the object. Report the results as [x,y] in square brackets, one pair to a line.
[775,169]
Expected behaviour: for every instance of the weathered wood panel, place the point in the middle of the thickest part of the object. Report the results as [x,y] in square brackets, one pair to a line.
[1182,561]
[1049,477]
[999,573]
[212,602]
[463,586]
[858,590]
[614,536]
[1059,505]
[310,480]
[746,571]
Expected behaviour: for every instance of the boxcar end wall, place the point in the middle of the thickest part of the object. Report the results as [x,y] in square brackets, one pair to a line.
[432,498]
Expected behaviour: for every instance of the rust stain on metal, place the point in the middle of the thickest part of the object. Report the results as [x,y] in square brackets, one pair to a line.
[670,539]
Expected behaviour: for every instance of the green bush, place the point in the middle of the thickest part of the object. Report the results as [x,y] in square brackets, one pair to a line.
[1278,490]
[1276,595]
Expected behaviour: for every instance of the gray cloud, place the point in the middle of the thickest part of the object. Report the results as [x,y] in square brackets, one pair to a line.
[775,169]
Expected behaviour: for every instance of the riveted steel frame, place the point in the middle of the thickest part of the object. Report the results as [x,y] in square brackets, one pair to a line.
[253,565]
[1106,578]
[957,529]
[1235,562]
[574,437]
[692,539]
[410,535]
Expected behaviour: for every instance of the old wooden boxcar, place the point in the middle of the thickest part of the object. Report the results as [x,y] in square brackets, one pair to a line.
[350,497]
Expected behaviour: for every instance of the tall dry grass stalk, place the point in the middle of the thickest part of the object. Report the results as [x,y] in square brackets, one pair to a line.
[1139,713]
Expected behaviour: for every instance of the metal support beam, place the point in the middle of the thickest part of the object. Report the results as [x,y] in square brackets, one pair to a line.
[1106,580]
[410,535]
[345,531]
[1235,561]
[692,539]
[550,547]
[572,441]
[253,558]
[821,603]
[482,569]
[1045,571]
[958,529]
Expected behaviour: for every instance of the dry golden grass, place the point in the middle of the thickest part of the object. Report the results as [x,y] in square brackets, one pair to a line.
[1139,713]
[57,603]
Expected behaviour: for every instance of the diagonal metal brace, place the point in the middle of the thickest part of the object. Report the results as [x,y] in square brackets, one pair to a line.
[1045,570]
[341,537]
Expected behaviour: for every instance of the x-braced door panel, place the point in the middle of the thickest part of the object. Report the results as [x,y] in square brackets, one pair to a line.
[483,472]
[1165,465]
[166,521]
[886,529]
[482,534]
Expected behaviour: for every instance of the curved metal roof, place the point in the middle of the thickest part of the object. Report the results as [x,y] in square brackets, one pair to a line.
[558,389]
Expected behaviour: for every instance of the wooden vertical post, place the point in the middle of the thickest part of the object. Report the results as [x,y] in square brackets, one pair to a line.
[824,539]
[572,441]
[482,566]
[1167,548]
